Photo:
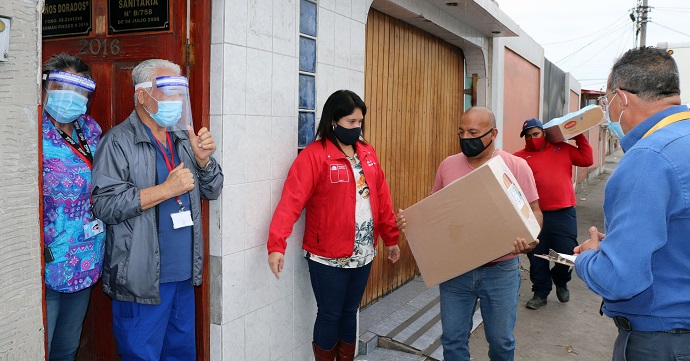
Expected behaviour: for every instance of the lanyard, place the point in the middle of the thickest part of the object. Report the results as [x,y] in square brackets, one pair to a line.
[170,163]
[668,120]
[82,149]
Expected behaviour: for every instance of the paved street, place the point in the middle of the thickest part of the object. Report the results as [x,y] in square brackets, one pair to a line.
[408,319]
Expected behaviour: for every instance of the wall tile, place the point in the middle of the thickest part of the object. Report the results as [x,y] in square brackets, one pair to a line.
[234,148]
[342,41]
[284,98]
[285,26]
[305,304]
[341,79]
[357,45]
[236,27]
[234,218]
[344,7]
[216,302]
[303,352]
[234,287]
[328,4]
[259,71]
[217,15]
[258,162]
[258,210]
[234,340]
[282,334]
[215,241]
[257,330]
[235,79]
[325,39]
[257,278]
[260,24]
[360,10]
[288,357]
[357,82]
[216,340]
[216,86]
[284,152]
[325,85]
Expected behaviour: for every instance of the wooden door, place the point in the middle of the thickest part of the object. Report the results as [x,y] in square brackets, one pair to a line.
[113,36]
[414,95]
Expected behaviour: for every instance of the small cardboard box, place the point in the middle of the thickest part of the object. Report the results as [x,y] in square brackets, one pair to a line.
[563,128]
[470,222]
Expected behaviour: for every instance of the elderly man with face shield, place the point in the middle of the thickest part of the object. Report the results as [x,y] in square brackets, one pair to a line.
[149,177]
[73,238]
[640,267]
[496,283]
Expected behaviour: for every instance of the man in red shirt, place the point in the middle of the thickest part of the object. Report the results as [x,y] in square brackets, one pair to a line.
[552,167]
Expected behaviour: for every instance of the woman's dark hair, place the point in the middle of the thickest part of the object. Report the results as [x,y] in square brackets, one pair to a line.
[340,104]
[66,61]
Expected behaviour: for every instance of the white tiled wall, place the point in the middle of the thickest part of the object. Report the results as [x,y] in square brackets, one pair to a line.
[254,80]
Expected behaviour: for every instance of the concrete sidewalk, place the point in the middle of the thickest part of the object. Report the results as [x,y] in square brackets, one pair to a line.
[406,324]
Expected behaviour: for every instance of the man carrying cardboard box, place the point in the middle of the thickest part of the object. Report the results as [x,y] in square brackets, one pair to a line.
[496,283]
[552,167]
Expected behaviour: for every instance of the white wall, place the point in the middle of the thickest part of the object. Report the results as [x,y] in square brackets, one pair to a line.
[21,315]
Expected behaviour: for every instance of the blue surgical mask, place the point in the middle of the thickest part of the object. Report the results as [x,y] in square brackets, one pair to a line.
[614,126]
[169,112]
[65,105]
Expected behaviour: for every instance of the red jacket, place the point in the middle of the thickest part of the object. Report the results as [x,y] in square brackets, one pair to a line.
[553,167]
[321,179]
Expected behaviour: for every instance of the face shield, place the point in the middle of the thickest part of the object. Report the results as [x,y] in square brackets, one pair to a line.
[170,107]
[67,95]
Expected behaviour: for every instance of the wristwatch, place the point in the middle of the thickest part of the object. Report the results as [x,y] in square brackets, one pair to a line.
[208,166]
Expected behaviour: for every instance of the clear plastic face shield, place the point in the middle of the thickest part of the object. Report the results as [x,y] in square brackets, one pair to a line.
[168,102]
[67,95]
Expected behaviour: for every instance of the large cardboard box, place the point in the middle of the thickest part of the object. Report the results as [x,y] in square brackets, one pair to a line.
[470,222]
[572,124]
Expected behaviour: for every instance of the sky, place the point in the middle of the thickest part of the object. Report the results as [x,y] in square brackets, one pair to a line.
[584,37]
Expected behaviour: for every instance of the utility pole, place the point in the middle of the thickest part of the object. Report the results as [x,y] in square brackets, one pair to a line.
[643,24]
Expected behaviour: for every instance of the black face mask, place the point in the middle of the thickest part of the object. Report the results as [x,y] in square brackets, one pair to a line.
[347,136]
[472,147]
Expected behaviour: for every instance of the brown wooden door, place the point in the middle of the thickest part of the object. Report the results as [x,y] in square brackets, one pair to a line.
[414,95]
[119,35]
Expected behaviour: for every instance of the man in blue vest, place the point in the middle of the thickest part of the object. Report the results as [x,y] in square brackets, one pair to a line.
[641,267]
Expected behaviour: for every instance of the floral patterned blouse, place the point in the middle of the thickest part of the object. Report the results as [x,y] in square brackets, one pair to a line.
[364,251]
[67,209]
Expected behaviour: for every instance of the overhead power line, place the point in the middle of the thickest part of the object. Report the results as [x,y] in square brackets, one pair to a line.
[587,36]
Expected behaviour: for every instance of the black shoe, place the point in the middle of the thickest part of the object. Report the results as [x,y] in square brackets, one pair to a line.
[562,293]
[536,303]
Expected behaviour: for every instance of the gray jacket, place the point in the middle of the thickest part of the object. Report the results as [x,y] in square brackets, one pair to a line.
[124,165]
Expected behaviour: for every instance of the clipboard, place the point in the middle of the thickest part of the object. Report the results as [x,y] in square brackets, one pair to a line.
[566,259]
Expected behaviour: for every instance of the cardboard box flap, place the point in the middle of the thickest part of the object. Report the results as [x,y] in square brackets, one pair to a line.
[470,222]
[572,124]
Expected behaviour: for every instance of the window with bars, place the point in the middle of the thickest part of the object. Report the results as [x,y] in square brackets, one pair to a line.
[307,72]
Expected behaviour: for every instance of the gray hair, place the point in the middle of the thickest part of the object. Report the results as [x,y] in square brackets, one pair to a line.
[146,70]
[64,61]
[649,72]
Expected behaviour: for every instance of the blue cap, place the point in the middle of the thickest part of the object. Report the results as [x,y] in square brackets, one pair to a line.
[530,123]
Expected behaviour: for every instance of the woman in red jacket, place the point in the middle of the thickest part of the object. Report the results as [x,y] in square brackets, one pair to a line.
[339,180]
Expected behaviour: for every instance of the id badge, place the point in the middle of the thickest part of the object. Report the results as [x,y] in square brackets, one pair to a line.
[93,228]
[182,219]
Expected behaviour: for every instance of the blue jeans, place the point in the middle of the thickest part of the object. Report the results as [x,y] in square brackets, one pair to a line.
[157,332]
[65,316]
[658,346]
[560,234]
[338,293]
[496,287]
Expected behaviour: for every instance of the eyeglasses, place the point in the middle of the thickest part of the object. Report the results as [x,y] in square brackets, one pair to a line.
[604,99]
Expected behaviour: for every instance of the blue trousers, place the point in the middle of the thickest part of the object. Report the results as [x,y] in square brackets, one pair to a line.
[560,234]
[65,316]
[157,332]
[496,287]
[657,346]
[338,293]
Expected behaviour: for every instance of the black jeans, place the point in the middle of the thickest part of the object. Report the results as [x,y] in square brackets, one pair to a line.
[338,293]
[560,234]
